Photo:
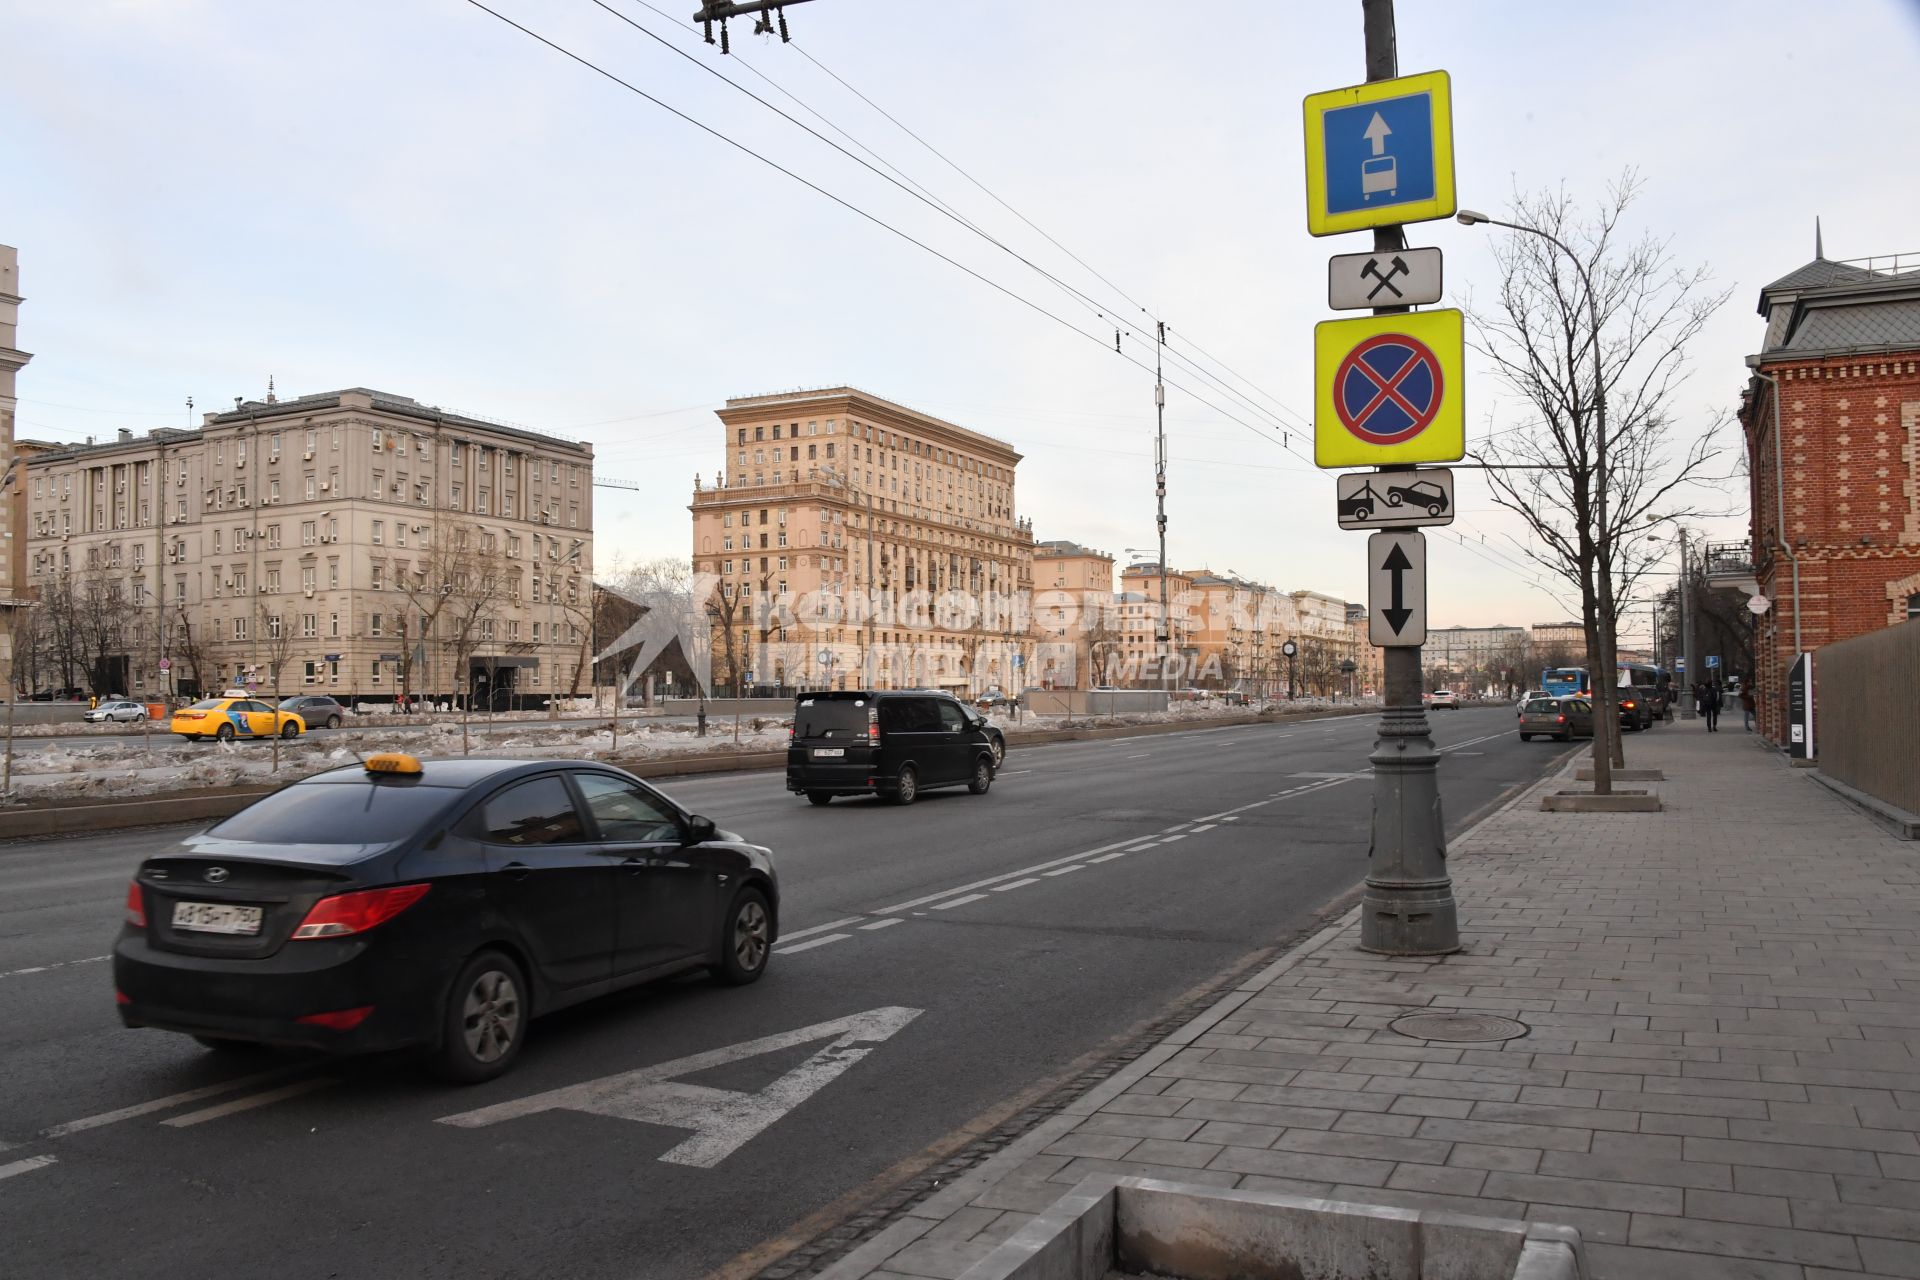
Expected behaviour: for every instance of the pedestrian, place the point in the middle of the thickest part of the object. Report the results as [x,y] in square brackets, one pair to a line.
[1748,702]
[1710,706]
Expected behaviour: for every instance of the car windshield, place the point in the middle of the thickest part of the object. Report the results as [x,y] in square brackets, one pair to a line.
[831,718]
[351,813]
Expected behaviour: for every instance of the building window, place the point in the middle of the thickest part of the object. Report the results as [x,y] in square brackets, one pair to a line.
[1913,606]
[333,626]
[240,628]
[273,626]
[309,626]
[374,625]
[379,532]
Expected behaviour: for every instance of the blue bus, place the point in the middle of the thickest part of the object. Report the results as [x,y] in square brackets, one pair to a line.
[1562,681]
[1652,681]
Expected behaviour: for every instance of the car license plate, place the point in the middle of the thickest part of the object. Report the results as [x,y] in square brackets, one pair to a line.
[215,917]
[820,753]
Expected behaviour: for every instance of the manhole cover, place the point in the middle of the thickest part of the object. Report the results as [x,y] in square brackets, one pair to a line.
[1466,1027]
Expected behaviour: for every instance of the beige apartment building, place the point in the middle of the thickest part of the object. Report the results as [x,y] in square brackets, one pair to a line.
[354,543]
[1137,619]
[849,541]
[1073,614]
[13,512]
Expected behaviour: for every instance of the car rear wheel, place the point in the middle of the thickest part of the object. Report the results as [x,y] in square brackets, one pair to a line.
[1563,737]
[1526,737]
[982,777]
[746,939]
[333,722]
[999,752]
[224,733]
[289,730]
[821,798]
[485,1020]
[907,789]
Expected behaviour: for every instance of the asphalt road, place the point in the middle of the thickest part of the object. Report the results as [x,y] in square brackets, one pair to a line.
[990,940]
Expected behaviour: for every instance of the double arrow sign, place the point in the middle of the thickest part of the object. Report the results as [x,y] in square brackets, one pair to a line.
[1397,588]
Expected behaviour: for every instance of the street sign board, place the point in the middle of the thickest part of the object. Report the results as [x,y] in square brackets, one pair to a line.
[1713,660]
[166,664]
[330,657]
[1380,153]
[1399,278]
[1019,660]
[1394,499]
[1397,589]
[1390,390]
[749,677]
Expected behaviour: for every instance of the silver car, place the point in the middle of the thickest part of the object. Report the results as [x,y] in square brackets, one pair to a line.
[1562,719]
[118,709]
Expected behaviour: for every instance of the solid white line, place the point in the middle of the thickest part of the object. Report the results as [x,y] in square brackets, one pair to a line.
[814,942]
[959,902]
[1109,857]
[162,1104]
[250,1102]
[798,934]
[25,1166]
[1065,870]
[1008,773]
[1017,884]
[888,923]
[58,964]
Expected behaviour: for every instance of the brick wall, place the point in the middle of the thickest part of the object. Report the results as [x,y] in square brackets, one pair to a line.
[1851,435]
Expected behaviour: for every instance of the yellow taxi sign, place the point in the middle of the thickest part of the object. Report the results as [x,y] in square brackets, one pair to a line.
[1390,390]
[1380,153]
[398,762]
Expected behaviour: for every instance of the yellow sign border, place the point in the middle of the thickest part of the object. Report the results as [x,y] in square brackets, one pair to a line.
[1445,438]
[1443,204]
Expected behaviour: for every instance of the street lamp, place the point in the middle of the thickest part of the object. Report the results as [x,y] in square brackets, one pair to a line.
[1604,719]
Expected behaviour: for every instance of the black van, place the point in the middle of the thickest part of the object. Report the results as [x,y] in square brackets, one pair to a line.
[895,743]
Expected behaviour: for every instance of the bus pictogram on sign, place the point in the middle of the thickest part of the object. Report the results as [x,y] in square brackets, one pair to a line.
[1388,388]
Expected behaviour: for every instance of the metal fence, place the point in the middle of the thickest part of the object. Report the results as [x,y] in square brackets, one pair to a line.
[1867,710]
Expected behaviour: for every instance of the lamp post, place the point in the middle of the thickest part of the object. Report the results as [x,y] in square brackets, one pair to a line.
[553,636]
[1605,719]
[1290,648]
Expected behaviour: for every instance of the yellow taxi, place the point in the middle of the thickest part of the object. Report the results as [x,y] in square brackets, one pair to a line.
[235,716]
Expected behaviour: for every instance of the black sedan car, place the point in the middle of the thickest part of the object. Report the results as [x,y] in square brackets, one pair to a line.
[440,905]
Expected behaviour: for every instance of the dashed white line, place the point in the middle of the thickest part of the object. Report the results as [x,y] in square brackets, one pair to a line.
[829,927]
[1017,884]
[958,902]
[1064,870]
[811,943]
[1136,848]
[162,1104]
[887,923]
[25,1166]
[1139,755]
[1207,827]
[1109,857]
[48,968]
[1171,839]
[250,1102]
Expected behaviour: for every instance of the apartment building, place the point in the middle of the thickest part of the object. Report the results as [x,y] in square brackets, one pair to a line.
[354,542]
[1457,652]
[1072,614]
[1137,615]
[849,541]
[13,512]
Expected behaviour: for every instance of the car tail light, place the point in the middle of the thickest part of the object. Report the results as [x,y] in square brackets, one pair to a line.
[339,1019]
[1628,704]
[1559,719]
[136,905]
[359,911]
[121,997]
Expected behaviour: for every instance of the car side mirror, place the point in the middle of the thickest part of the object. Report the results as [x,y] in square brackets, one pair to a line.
[700,829]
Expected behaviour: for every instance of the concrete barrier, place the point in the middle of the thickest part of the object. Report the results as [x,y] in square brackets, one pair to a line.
[1142,1226]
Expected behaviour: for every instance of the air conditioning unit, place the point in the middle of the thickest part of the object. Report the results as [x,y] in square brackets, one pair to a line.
[272,458]
[228,583]
[121,487]
[263,588]
[240,461]
[309,593]
[307,456]
[325,486]
[243,503]
[272,502]
[209,500]
[326,537]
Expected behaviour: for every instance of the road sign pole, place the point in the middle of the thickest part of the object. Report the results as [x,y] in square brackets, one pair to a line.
[1408,909]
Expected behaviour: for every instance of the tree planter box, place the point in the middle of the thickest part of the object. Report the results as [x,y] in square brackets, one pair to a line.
[1621,801]
[1142,1226]
[1585,774]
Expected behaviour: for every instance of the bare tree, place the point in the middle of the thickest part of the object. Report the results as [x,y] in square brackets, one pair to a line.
[275,643]
[477,579]
[1597,465]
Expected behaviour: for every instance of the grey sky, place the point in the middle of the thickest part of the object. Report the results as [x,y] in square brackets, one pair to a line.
[408,194]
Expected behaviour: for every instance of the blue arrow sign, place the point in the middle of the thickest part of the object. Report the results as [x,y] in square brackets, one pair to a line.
[1379,153]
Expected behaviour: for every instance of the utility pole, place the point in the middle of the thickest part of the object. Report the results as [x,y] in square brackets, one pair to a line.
[1686,632]
[1408,908]
[1160,497]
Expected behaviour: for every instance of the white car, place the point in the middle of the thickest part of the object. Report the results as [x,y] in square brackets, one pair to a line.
[117,709]
[1443,698]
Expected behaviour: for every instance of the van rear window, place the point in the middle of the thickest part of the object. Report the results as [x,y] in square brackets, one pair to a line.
[831,718]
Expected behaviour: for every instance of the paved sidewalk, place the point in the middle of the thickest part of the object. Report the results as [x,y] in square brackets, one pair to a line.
[1719,1078]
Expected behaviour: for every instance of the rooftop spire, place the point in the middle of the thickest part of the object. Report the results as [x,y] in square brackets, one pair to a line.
[1819,252]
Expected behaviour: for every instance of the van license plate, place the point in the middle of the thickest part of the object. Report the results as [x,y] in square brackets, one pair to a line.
[215,917]
[822,753]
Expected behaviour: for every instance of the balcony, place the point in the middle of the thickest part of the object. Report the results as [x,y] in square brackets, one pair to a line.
[1730,564]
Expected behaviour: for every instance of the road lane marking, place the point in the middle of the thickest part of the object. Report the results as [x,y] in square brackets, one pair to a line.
[1017,884]
[1065,870]
[1109,857]
[1008,773]
[166,1103]
[1207,827]
[831,925]
[250,1102]
[722,1120]
[1171,839]
[48,968]
[812,943]
[25,1166]
[958,902]
[1139,755]
[888,923]
[1134,848]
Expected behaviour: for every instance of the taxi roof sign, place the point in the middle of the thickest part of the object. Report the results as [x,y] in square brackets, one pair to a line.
[1390,390]
[396,762]
[1380,153]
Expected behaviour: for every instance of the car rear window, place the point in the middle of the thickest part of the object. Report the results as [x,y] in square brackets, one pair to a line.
[1543,704]
[831,718]
[207,704]
[337,813]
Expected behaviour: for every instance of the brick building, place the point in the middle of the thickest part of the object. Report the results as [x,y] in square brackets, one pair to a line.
[1837,382]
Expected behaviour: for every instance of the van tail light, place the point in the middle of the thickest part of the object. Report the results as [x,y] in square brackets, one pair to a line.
[1559,719]
[136,905]
[873,725]
[359,911]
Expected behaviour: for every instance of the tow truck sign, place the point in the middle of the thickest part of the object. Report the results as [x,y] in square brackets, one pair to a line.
[1394,499]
